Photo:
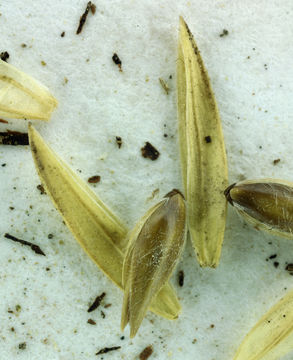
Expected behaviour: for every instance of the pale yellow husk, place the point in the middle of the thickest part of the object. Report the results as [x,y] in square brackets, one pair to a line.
[272,337]
[95,227]
[23,97]
[155,245]
[203,155]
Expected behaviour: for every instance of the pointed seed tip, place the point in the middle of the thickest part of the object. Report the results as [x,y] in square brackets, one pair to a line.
[227,193]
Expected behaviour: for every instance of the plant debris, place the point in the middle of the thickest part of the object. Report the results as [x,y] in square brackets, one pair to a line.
[107,349]
[225,32]
[91,321]
[34,247]
[22,346]
[276,161]
[97,302]
[119,141]
[289,267]
[164,85]
[103,314]
[41,188]
[181,278]
[94,179]
[4,56]
[146,353]
[83,17]
[3,121]
[13,138]
[149,151]
[117,61]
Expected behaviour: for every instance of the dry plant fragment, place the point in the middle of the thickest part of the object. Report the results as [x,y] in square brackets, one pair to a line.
[95,227]
[272,337]
[202,148]
[266,203]
[155,245]
[21,96]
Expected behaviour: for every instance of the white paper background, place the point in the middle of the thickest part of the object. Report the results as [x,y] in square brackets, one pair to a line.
[99,103]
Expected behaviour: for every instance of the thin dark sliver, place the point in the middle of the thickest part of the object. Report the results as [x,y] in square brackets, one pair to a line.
[3,121]
[34,247]
[83,17]
[107,349]
[13,138]
[97,302]
[181,278]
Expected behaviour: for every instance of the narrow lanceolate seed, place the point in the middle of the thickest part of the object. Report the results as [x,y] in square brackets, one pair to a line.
[95,227]
[21,96]
[266,203]
[155,245]
[202,148]
[272,337]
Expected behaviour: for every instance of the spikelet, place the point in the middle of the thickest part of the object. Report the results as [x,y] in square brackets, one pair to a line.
[155,245]
[266,203]
[95,227]
[202,148]
[22,97]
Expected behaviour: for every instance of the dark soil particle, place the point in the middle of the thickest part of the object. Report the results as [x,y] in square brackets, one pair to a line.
[273,256]
[276,161]
[91,322]
[276,264]
[119,141]
[289,267]
[149,151]
[117,61]
[34,247]
[97,302]
[4,56]
[225,32]
[94,179]
[22,346]
[181,278]
[41,188]
[208,139]
[62,34]
[13,138]
[103,314]
[108,349]
[146,353]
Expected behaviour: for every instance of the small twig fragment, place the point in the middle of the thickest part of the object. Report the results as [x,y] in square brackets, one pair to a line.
[164,85]
[107,349]
[34,247]
[83,17]
[13,138]
[97,302]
